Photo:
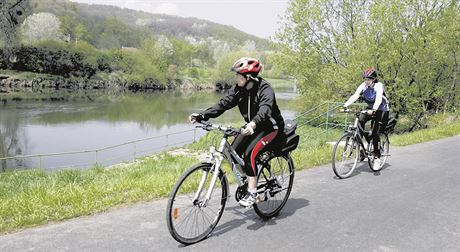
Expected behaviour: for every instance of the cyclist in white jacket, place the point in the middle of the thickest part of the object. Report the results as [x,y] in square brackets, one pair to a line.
[372,92]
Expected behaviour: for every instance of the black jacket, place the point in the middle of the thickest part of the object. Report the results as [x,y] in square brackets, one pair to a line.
[257,105]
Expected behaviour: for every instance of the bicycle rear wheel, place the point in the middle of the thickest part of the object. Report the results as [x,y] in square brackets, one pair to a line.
[384,146]
[345,156]
[274,185]
[189,218]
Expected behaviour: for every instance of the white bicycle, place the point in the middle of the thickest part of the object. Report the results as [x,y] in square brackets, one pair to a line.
[198,198]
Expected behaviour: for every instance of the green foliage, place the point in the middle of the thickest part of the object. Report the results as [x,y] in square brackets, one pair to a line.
[225,63]
[439,126]
[122,46]
[34,197]
[116,34]
[412,44]
[109,26]
[52,57]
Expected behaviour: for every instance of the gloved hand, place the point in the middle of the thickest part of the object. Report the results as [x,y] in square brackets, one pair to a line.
[370,111]
[195,117]
[345,109]
[248,129]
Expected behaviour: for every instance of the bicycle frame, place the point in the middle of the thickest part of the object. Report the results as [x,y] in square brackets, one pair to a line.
[224,151]
[356,130]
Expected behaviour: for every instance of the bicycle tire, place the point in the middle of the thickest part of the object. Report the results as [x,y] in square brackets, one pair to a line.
[350,150]
[384,146]
[270,185]
[181,206]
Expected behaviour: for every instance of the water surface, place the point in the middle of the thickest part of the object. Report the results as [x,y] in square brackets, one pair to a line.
[89,121]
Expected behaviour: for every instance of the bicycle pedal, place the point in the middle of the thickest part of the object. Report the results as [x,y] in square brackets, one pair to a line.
[260,199]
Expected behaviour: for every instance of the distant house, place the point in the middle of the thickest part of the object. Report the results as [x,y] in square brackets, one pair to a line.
[129,49]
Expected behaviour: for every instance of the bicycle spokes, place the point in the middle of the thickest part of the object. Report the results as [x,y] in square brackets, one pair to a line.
[274,185]
[345,156]
[192,215]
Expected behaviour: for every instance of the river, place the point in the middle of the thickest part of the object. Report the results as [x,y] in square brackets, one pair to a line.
[97,122]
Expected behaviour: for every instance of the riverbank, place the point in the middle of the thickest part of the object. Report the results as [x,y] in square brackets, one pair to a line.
[11,81]
[35,197]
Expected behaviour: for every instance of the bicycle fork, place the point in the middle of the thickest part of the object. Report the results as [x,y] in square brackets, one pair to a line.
[217,157]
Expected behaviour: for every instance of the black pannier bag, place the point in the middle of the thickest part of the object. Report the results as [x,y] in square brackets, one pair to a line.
[292,139]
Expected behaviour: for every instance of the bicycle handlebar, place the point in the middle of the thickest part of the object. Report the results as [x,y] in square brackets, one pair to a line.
[364,111]
[226,129]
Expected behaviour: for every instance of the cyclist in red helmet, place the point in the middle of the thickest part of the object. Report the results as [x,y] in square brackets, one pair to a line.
[372,92]
[256,101]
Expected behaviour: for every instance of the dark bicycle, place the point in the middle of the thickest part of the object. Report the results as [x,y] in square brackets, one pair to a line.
[350,148]
[198,199]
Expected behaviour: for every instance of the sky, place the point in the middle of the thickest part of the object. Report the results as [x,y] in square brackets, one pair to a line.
[256,17]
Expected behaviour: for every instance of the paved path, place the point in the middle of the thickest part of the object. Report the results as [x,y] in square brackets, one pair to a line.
[412,205]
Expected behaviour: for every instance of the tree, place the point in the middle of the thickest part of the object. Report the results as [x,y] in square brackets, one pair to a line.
[41,26]
[220,49]
[11,15]
[412,44]
[224,63]
[249,45]
[80,32]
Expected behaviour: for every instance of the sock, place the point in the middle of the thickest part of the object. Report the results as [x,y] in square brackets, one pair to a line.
[252,191]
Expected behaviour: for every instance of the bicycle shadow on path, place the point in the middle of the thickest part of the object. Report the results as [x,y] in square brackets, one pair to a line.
[292,205]
[364,168]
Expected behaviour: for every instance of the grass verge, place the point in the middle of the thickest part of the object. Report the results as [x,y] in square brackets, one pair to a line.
[440,126]
[34,197]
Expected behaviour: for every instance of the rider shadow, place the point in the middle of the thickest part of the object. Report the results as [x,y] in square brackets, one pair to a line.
[292,205]
[363,167]
[377,173]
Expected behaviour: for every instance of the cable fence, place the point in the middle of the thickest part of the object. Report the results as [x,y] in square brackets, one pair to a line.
[318,121]
[124,152]
[323,119]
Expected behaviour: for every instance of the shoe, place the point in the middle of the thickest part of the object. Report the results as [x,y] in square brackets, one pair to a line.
[377,164]
[248,200]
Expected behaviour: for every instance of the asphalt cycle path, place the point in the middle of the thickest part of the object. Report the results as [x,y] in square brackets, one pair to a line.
[413,204]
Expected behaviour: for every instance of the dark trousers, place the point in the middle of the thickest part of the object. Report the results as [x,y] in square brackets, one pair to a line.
[245,145]
[379,121]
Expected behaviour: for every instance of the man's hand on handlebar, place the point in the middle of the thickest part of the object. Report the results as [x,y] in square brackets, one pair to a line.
[195,117]
[248,129]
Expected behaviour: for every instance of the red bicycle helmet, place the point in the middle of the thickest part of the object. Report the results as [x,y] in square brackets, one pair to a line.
[370,73]
[247,66]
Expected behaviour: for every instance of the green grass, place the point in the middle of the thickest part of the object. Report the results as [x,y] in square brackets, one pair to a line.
[34,197]
[429,134]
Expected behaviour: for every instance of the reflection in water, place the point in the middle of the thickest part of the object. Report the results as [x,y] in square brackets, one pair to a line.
[12,139]
[93,121]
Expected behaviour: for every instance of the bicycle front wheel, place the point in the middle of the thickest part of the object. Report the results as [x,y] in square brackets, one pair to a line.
[345,156]
[274,185]
[189,216]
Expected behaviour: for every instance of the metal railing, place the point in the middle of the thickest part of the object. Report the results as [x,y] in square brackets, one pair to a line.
[102,156]
[323,117]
